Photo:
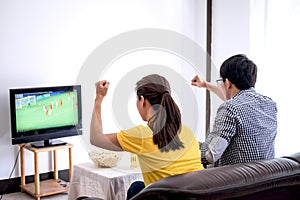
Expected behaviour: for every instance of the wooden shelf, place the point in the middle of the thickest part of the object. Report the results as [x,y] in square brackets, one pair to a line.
[47,187]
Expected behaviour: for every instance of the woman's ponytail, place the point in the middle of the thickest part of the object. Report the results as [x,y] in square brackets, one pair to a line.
[166,121]
[167,137]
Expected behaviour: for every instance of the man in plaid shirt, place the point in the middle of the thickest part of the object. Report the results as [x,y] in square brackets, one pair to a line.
[245,126]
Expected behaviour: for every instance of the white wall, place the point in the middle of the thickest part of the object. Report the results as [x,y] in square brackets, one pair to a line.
[45,43]
[231,35]
[231,31]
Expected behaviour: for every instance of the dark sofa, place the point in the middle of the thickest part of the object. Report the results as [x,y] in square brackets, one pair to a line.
[275,179]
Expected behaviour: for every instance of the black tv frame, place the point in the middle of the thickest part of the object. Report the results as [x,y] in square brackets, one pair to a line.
[46,136]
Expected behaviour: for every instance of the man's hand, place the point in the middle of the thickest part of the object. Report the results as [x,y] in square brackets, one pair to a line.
[199,82]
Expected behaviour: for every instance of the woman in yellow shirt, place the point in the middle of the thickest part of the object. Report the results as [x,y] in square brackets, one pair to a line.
[165,147]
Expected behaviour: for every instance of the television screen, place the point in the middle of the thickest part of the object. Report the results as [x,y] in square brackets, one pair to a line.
[45,113]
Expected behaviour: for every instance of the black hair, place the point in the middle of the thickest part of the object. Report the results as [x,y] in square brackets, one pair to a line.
[240,70]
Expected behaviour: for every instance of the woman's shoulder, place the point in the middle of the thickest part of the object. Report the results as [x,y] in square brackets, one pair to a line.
[138,130]
[184,127]
[186,131]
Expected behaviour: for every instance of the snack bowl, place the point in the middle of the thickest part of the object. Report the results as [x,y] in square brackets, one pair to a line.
[106,158]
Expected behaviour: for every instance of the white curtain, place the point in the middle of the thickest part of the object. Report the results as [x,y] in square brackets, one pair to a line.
[274,45]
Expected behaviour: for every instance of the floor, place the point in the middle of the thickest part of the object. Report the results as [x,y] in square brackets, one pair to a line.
[25,196]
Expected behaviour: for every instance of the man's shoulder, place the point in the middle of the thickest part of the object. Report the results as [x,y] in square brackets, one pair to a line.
[248,97]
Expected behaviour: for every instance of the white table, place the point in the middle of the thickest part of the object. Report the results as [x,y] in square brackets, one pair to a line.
[106,183]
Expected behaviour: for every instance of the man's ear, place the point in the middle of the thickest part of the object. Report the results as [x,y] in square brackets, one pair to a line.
[228,83]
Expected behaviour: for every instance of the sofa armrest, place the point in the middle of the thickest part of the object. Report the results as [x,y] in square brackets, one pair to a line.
[295,157]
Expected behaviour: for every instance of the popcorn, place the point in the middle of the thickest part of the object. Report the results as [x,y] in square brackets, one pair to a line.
[105,158]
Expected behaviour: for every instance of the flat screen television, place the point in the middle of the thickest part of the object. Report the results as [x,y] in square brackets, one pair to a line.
[42,115]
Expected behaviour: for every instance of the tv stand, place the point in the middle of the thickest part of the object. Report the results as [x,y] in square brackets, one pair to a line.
[48,187]
[47,143]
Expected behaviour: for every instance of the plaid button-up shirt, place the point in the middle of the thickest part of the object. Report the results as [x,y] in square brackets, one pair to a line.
[244,130]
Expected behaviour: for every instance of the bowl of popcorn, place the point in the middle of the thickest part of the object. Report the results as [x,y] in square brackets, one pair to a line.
[105,159]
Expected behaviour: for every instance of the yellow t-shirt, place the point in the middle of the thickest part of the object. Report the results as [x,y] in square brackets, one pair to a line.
[155,164]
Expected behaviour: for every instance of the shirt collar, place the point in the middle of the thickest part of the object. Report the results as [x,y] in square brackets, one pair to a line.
[251,89]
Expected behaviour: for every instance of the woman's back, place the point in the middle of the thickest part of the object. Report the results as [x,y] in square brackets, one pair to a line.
[156,164]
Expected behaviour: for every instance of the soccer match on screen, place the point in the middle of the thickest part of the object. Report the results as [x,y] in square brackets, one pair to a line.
[46,109]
